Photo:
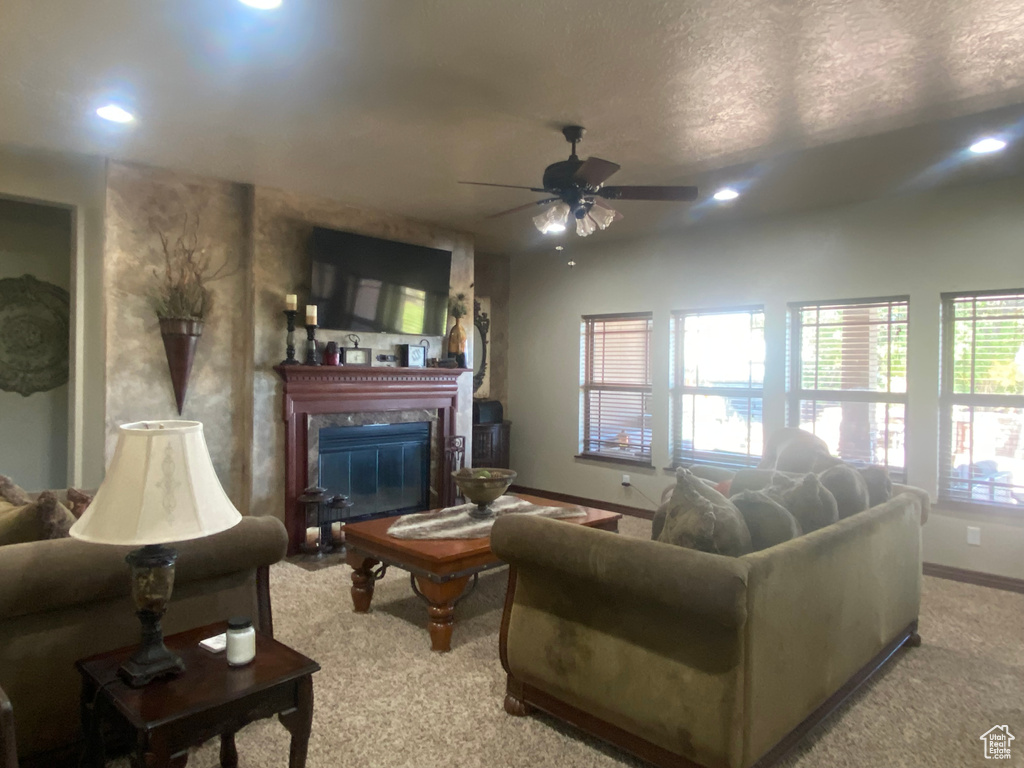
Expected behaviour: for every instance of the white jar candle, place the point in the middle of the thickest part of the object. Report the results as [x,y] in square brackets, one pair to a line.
[241,641]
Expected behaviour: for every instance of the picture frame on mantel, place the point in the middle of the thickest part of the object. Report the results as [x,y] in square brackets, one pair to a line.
[412,355]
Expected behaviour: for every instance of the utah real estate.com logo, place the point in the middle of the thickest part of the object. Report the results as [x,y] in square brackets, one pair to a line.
[997,742]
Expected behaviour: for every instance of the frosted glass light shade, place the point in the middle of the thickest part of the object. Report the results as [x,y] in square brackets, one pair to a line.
[553,219]
[160,487]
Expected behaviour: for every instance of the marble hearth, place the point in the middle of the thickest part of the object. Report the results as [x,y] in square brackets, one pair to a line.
[322,396]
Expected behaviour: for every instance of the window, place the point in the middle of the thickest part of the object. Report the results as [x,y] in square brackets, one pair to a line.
[615,388]
[848,378]
[982,398]
[717,380]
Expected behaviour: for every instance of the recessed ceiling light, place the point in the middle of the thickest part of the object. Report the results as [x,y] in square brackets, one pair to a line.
[571,264]
[986,145]
[726,193]
[263,5]
[559,247]
[115,114]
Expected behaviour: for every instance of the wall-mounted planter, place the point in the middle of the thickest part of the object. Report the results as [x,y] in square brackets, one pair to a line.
[180,337]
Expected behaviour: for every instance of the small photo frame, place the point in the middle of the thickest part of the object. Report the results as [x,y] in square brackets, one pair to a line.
[412,355]
[356,356]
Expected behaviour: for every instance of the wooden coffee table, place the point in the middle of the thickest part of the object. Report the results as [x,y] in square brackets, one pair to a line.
[208,699]
[440,569]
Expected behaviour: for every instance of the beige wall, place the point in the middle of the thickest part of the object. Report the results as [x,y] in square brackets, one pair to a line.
[958,239]
[77,183]
[233,388]
[36,240]
[492,280]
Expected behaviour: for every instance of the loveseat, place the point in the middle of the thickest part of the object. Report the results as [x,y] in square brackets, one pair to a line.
[689,658]
[64,599]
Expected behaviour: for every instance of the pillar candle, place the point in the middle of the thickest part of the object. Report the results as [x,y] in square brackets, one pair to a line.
[291,302]
[311,314]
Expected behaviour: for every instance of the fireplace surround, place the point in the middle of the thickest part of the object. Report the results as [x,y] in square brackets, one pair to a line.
[320,390]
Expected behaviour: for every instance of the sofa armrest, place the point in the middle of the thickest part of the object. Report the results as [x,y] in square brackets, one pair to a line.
[646,572]
[8,745]
[61,573]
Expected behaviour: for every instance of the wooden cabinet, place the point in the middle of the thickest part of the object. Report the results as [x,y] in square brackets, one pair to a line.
[490,445]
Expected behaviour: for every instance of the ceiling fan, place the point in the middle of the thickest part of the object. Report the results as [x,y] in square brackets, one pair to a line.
[576,188]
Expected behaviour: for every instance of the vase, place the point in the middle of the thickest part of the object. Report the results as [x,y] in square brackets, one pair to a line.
[457,343]
[180,337]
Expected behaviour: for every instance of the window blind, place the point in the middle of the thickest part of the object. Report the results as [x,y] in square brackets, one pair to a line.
[615,391]
[718,376]
[848,377]
[982,398]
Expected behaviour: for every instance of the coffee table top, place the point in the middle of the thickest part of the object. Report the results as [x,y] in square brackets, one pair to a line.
[441,555]
[207,681]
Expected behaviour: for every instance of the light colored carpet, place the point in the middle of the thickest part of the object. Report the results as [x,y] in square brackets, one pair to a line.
[384,700]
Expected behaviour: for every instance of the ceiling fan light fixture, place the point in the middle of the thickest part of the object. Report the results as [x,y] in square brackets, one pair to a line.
[726,193]
[585,226]
[602,215]
[552,220]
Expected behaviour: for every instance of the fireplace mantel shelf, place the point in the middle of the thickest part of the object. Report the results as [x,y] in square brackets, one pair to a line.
[310,390]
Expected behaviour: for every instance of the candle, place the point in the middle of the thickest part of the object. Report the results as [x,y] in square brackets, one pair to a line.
[291,302]
[311,314]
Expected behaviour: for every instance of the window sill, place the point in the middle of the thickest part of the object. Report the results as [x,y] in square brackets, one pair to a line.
[641,463]
[1011,511]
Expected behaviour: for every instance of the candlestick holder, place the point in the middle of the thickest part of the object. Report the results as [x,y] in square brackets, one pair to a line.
[290,359]
[312,358]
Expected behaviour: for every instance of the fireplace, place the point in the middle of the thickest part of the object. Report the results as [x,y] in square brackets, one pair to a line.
[382,468]
[318,397]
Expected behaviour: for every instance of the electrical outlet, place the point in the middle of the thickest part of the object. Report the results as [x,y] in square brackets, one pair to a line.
[625,480]
[974,535]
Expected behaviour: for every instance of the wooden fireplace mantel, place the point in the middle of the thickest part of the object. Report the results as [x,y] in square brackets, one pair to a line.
[353,389]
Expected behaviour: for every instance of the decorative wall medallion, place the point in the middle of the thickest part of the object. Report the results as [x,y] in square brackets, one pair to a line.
[34,333]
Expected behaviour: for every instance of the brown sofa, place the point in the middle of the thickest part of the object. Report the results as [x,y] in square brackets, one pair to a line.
[687,658]
[63,599]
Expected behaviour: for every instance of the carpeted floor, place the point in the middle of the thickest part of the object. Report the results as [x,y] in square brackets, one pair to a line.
[383,700]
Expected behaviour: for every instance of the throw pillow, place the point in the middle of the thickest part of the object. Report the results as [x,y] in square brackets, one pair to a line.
[757,480]
[879,484]
[793,450]
[769,522]
[848,487]
[809,502]
[697,516]
[12,493]
[44,518]
[78,501]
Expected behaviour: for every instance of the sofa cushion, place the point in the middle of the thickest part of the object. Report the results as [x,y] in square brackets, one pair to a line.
[697,516]
[769,522]
[879,484]
[809,501]
[848,487]
[11,492]
[44,518]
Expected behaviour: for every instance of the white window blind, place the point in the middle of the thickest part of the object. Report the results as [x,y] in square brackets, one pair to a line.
[983,398]
[615,387]
[848,378]
[717,381]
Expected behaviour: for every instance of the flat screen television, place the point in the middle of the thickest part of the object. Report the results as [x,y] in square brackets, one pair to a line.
[363,283]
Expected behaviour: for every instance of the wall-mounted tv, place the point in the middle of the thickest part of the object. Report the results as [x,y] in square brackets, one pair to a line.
[363,283]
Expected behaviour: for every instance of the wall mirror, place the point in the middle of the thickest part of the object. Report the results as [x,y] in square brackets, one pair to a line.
[481,330]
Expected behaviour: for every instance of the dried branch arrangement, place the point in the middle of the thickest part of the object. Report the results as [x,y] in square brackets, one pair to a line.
[184,292]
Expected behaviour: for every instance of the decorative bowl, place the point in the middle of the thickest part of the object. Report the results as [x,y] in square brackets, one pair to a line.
[482,485]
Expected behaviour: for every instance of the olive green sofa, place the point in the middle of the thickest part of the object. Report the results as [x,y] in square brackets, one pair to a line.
[64,599]
[688,658]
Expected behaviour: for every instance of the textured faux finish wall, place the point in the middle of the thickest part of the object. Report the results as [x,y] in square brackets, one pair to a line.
[282,223]
[492,278]
[141,200]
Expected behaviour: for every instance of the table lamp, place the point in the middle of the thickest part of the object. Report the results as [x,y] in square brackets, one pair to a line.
[160,487]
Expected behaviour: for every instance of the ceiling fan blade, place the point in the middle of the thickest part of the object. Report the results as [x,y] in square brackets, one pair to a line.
[595,171]
[507,186]
[522,207]
[668,194]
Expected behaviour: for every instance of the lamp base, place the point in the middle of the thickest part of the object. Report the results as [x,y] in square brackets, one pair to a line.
[152,581]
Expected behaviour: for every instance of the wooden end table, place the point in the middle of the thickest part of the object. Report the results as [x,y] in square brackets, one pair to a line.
[210,698]
[440,569]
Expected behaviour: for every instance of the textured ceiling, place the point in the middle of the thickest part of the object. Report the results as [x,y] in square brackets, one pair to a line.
[387,103]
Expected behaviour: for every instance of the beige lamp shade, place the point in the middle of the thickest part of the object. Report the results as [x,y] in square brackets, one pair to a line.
[160,487]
